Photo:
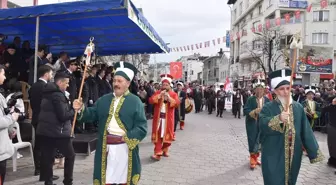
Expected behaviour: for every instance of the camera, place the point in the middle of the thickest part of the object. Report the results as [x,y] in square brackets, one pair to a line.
[12,102]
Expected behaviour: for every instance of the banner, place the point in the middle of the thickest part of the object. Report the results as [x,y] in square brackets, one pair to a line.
[293,4]
[176,69]
[227,41]
[314,59]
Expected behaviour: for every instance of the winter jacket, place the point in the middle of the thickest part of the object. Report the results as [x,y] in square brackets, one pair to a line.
[6,127]
[56,113]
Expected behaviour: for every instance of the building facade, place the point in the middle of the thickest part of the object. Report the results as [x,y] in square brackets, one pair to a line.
[192,68]
[276,20]
[215,69]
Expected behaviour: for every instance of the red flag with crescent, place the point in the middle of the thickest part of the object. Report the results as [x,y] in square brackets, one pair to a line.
[176,69]
[287,17]
[297,14]
[268,24]
[278,21]
[309,8]
[260,27]
[324,3]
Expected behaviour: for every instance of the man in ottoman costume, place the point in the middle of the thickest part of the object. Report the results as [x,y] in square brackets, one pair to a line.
[283,133]
[165,101]
[311,107]
[181,108]
[122,125]
[252,109]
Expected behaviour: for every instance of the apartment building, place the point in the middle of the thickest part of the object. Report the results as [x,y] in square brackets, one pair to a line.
[215,69]
[192,68]
[316,28]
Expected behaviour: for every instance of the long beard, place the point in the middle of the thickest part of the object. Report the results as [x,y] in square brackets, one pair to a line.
[284,100]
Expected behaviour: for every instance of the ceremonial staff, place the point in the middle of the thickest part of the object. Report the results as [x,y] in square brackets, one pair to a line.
[296,43]
[88,52]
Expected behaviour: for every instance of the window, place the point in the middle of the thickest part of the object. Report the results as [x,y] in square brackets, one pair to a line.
[257,44]
[255,25]
[260,9]
[285,41]
[320,38]
[321,16]
[243,47]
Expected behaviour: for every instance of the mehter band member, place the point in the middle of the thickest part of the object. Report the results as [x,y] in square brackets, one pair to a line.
[252,109]
[165,101]
[283,133]
[181,108]
[122,124]
[311,107]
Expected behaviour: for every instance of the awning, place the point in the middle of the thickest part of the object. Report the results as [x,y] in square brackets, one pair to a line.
[117,26]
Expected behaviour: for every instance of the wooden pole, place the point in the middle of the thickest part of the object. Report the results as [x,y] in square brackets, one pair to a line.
[294,59]
[88,51]
[79,97]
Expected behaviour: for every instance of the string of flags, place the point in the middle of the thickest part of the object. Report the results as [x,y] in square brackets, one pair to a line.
[200,45]
[288,18]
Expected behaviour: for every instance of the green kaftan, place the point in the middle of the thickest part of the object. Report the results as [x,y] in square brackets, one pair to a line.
[281,162]
[130,117]
[252,123]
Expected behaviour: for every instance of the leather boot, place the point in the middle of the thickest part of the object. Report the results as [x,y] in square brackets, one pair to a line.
[257,160]
[181,125]
[253,162]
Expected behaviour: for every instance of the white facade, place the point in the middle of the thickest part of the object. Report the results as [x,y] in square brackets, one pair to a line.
[223,68]
[316,27]
[192,68]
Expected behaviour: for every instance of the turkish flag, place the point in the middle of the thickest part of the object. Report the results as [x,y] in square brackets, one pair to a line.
[268,23]
[253,29]
[278,21]
[287,17]
[226,84]
[176,69]
[260,27]
[238,35]
[324,3]
[297,14]
[309,8]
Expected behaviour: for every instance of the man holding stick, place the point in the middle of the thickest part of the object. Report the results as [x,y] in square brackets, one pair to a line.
[122,124]
[284,130]
[252,109]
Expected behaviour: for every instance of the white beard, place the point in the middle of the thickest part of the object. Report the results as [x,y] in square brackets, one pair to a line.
[284,100]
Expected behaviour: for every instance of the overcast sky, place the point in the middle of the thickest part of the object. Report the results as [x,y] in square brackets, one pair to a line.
[183,22]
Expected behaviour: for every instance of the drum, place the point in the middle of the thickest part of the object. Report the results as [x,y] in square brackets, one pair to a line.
[188,106]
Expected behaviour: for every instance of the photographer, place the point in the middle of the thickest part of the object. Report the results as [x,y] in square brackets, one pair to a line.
[7,131]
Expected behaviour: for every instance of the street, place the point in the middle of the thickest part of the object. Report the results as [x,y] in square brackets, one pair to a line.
[210,150]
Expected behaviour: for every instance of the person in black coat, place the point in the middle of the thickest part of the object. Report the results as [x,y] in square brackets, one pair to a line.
[40,61]
[72,66]
[35,97]
[54,128]
[107,83]
[180,113]
[100,82]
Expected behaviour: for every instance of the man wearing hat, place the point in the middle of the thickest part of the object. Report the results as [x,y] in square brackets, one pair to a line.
[252,109]
[165,101]
[180,110]
[122,124]
[220,100]
[311,107]
[283,133]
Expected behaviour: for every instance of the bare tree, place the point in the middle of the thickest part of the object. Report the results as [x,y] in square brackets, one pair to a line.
[266,50]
